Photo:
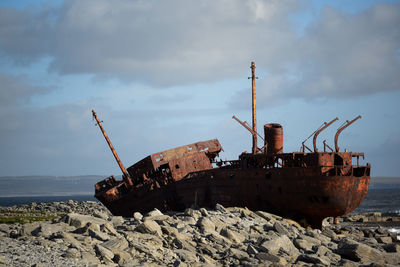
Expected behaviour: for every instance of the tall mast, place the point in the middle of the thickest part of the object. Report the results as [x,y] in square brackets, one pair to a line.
[253,86]
[125,175]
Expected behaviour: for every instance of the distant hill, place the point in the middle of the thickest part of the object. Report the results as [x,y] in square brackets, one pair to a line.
[48,185]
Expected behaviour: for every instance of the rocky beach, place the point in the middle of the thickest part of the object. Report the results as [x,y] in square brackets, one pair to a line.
[85,234]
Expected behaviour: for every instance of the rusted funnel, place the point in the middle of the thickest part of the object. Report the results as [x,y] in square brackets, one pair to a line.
[273,138]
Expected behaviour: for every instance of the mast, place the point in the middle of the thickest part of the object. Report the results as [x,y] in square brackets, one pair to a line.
[253,87]
[125,175]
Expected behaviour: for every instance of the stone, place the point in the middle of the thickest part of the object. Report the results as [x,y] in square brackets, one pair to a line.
[149,227]
[205,225]
[310,258]
[117,220]
[186,256]
[46,230]
[278,227]
[251,250]
[329,233]
[303,244]
[204,212]
[89,258]
[28,228]
[4,228]
[101,215]
[264,256]
[138,216]
[79,220]
[116,244]
[232,236]
[384,239]
[311,240]
[99,235]
[391,248]
[72,253]
[237,253]
[85,229]
[122,257]
[220,208]
[356,251]
[281,242]
[104,253]
[153,213]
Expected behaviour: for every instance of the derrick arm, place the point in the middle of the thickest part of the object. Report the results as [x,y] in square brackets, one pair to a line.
[326,125]
[125,174]
[348,123]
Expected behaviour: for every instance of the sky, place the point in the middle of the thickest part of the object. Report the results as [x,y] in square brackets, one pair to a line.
[161,74]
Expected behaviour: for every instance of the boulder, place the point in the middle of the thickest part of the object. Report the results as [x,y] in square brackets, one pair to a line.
[79,220]
[356,251]
[116,244]
[149,227]
[105,253]
[205,225]
[233,236]
[281,242]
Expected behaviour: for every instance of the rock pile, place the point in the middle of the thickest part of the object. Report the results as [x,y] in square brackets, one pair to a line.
[88,235]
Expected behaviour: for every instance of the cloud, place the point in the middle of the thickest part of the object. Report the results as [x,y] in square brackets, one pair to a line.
[161,43]
[177,42]
[18,89]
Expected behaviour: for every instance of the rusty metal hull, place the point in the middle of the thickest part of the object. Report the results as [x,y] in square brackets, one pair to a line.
[292,192]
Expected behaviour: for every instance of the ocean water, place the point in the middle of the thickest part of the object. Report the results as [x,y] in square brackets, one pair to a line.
[385,200]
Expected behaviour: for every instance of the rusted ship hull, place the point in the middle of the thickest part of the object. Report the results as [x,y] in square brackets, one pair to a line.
[278,191]
[299,185]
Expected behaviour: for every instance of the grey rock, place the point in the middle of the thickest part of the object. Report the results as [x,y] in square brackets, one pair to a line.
[329,233]
[384,239]
[220,208]
[28,228]
[356,251]
[153,213]
[101,215]
[303,244]
[205,225]
[46,230]
[99,235]
[282,242]
[251,250]
[186,256]
[204,212]
[104,253]
[391,248]
[264,256]
[309,258]
[138,216]
[116,244]
[278,227]
[89,258]
[122,257]
[85,229]
[237,253]
[117,220]
[149,227]
[72,253]
[232,236]
[79,220]
[311,240]
[4,228]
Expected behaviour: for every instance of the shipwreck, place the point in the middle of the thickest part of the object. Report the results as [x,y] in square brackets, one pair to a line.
[308,184]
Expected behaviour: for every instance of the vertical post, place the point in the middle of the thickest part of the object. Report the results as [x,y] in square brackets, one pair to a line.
[253,86]
[125,174]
